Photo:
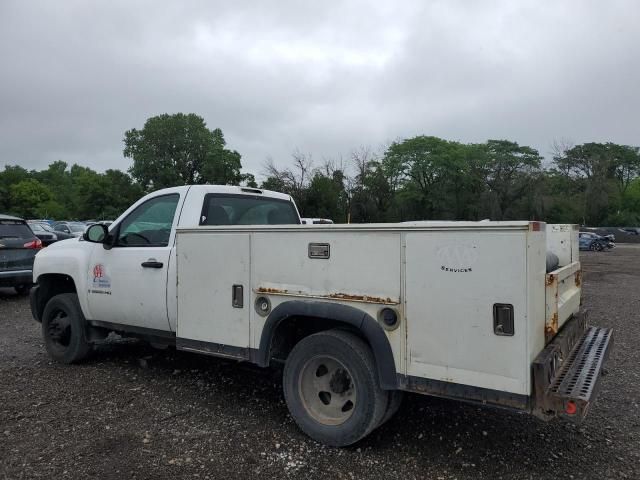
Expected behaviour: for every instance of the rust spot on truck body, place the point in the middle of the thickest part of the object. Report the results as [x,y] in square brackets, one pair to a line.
[271,290]
[332,296]
[578,278]
[551,328]
[359,298]
[550,280]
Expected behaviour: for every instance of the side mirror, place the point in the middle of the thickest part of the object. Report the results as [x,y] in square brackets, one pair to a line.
[96,233]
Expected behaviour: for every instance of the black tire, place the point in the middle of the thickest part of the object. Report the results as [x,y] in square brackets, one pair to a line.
[23,289]
[595,247]
[63,329]
[393,405]
[370,401]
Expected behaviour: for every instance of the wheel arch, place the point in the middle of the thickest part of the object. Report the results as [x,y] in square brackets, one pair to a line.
[332,315]
[49,285]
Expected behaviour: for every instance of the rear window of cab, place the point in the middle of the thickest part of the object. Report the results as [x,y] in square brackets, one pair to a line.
[235,209]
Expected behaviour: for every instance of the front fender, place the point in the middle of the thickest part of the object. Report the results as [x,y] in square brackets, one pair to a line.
[68,257]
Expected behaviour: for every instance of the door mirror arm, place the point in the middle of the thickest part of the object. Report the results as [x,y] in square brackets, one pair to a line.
[111,238]
[109,241]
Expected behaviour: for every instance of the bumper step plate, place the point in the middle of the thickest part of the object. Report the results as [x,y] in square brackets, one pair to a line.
[570,392]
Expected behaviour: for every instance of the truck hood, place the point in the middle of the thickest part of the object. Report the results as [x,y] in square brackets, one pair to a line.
[68,257]
[62,244]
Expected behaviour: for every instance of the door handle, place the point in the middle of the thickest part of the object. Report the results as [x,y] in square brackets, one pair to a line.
[151,264]
[237,296]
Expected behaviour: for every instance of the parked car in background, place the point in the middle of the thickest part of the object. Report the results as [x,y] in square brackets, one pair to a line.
[60,235]
[47,237]
[41,220]
[591,241]
[47,227]
[610,240]
[18,248]
[73,228]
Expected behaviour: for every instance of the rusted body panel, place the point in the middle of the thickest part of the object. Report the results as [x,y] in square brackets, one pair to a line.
[562,292]
[330,296]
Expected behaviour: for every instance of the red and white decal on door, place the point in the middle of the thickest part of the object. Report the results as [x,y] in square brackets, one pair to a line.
[100,277]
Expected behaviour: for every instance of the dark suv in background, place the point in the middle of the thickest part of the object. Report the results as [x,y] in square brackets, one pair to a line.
[18,248]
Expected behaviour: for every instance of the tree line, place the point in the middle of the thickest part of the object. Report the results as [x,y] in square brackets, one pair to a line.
[419,178]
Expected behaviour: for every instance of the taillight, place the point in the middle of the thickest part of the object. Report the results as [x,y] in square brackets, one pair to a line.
[37,243]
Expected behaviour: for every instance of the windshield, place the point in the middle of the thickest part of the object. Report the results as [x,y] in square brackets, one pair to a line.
[77,227]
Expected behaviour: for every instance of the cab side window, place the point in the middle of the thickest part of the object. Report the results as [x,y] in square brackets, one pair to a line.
[149,225]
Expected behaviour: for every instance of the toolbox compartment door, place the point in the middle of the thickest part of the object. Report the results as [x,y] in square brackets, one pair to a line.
[213,293]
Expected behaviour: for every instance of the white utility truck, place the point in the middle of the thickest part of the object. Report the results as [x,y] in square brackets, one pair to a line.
[357,313]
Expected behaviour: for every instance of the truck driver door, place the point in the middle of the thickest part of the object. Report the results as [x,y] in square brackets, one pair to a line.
[127,284]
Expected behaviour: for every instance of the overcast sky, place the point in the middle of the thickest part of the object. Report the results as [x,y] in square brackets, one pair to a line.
[322,77]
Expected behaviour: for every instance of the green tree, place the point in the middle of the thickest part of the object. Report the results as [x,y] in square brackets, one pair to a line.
[11,175]
[511,172]
[179,149]
[603,171]
[420,169]
[29,199]
[326,196]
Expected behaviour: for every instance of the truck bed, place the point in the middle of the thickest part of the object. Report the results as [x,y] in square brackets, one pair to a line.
[443,279]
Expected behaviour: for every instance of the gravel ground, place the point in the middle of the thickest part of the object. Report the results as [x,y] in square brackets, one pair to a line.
[134,412]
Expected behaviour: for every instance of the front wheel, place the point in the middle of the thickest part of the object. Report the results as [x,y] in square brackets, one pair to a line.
[63,329]
[331,388]
[595,247]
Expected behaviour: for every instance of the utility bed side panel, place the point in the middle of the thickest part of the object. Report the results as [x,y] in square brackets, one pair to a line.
[362,266]
[453,280]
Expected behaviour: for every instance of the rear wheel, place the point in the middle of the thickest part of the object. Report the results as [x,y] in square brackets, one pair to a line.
[63,329]
[331,388]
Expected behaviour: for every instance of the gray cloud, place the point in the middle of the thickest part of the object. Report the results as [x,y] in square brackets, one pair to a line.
[324,77]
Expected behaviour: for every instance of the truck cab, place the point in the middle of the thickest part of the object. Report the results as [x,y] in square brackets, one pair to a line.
[127,283]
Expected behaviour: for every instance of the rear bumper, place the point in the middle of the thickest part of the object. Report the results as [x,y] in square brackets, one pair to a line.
[11,278]
[566,374]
